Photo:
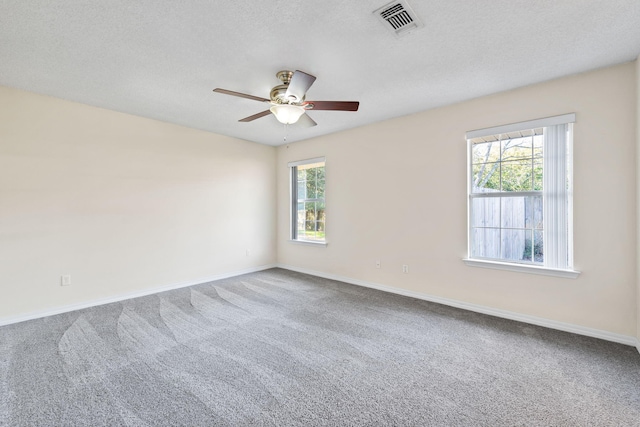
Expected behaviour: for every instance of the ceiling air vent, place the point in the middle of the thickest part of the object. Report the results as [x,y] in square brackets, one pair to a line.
[398,17]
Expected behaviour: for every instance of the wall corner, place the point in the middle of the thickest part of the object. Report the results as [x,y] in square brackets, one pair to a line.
[637,81]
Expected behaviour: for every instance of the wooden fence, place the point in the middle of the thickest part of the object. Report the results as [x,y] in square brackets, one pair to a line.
[503,227]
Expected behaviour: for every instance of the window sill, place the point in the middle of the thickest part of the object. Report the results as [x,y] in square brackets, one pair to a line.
[522,268]
[308,242]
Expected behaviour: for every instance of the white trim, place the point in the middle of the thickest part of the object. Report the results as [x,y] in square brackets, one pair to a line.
[93,303]
[522,268]
[638,345]
[306,161]
[308,242]
[539,321]
[293,195]
[529,124]
[507,194]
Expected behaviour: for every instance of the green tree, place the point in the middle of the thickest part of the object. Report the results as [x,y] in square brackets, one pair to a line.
[508,165]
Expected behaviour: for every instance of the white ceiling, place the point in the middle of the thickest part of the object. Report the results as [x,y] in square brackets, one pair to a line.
[162,58]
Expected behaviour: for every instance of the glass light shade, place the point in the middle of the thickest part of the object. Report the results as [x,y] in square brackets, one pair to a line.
[286,113]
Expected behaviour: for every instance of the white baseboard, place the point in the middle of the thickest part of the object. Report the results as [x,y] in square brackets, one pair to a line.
[567,327]
[561,326]
[92,303]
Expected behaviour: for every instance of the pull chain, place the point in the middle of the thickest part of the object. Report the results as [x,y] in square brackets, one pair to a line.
[286,129]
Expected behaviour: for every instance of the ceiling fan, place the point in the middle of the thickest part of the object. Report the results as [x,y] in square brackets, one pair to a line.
[288,102]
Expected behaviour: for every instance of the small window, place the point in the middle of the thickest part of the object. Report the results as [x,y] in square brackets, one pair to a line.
[307,200]
[520,188]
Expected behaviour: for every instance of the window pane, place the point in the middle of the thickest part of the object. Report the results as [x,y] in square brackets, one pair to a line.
[538,246]
[485,212]
[486,177]
[538,143]
[513,213]
[309,226]
[513,244]
[300,219]
[310,213]
[311,189]
[311,174]
[517,175]
[537,175]
[320,215]
[527,254]
[320,189]
[517,149]
[302,190]
[486,166]
[485,242]
[314,230]
[486,152]
[537,212]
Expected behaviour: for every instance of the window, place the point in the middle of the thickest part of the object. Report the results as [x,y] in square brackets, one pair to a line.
[307,200]
[520,193]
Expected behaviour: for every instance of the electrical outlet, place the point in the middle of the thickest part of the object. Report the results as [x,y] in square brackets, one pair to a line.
[65,280]
[377,263]
[405,268]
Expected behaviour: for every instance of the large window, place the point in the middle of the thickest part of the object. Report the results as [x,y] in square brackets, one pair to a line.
[520,193]
[307,200]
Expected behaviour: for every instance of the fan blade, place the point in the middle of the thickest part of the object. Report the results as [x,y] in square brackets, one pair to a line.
[332,105]
[241,95]
[299,85]
[305,121]
[256,116]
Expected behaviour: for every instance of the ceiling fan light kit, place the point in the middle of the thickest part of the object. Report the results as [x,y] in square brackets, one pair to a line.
[287,113]
[287,100]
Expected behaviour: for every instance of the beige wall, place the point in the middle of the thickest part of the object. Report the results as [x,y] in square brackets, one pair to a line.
[396,192]
[127,204]
[122,203]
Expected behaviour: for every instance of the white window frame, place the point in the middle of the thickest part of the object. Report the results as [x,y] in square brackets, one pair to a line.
[558,217]
[293,188]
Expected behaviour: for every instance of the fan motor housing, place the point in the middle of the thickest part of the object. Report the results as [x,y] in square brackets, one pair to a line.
[278,95]
[278,92]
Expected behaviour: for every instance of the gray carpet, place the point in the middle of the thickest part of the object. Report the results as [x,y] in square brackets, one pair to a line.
[278,348]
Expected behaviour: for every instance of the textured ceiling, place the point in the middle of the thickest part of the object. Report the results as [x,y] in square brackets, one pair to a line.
[161,59]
